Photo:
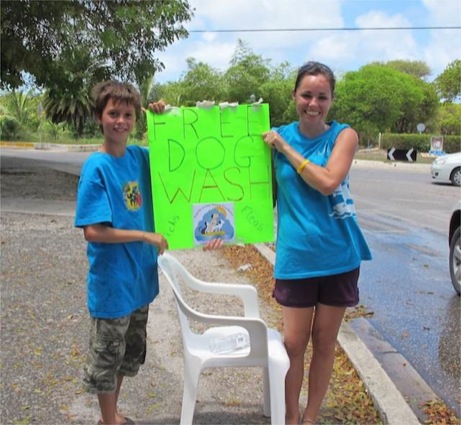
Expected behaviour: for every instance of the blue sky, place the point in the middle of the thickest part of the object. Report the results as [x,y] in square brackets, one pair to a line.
[342,50]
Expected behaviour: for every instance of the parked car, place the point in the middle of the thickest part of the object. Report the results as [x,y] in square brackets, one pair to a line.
[447,168]
[454,240]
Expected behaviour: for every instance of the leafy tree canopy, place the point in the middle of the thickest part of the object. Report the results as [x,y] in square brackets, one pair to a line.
[418,69]
[448,83]
[123,34]
[449,118]
[246,74]
[202,82]
[380,98]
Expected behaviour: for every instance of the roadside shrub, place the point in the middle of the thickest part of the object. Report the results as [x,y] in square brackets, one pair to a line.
[9,128]
[420,142]
[52,130]
[452,144]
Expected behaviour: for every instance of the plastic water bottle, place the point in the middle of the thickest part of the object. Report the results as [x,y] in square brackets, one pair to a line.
[230,343]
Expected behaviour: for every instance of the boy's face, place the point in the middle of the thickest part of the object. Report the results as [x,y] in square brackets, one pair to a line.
[117,121]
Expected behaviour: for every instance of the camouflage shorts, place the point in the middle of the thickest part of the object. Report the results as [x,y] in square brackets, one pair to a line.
[117,347]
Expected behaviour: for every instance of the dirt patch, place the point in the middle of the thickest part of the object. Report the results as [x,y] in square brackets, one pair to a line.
[38,183]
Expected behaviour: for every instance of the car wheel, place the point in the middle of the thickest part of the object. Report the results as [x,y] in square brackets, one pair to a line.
[456,176]
[455,260]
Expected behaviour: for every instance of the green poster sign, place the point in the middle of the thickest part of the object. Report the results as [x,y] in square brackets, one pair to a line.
[211,174]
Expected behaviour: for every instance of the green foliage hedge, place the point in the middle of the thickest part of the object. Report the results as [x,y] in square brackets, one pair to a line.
[9,128]
[420,142]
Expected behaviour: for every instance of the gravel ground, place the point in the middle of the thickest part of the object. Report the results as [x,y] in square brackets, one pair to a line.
[44,324]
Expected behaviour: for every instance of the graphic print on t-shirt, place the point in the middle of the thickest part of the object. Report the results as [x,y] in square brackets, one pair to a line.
[343,205]
[132,196]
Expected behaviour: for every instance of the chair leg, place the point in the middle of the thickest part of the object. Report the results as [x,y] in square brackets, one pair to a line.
[189,398]
[266,392]
[277,395]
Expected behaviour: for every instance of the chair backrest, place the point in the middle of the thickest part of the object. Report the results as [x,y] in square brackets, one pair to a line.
[173,270]
[175,273]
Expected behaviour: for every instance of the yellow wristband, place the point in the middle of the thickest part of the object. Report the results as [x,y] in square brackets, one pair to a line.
[301,167]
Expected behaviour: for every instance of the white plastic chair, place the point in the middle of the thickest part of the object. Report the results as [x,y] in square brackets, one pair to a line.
[266,348]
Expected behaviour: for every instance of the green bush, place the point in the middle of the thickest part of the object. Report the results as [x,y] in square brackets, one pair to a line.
[9,128]
[452,144]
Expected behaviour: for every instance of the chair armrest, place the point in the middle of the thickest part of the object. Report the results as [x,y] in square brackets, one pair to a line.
[247,293]
[256,327]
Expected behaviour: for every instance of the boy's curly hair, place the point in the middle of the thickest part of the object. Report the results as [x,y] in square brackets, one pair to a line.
[118,92]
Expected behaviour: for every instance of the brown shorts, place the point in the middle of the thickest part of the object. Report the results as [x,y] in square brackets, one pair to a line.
[117,347]
[339,290]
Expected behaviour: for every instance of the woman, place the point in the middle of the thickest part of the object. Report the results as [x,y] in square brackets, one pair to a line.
[319,243]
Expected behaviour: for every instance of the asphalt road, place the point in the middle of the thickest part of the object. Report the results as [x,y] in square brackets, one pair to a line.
[404,193]
[414,310]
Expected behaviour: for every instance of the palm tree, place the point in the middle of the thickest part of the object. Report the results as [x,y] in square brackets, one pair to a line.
[19,102]
[146,86]
[73,108]
[71,102]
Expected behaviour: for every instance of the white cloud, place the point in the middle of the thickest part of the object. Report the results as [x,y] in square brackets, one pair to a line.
[206,47]
[384,45]
[342,50]
[441,50]
[443,46]
[444,12]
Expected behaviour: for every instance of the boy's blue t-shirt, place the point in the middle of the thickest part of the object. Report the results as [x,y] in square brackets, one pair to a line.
[317,235]
[116,192]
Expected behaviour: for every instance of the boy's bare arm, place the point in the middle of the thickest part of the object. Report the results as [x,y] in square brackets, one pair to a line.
[105,234]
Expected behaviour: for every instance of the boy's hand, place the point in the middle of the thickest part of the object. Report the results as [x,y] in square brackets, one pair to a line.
[156,239]
[157,107]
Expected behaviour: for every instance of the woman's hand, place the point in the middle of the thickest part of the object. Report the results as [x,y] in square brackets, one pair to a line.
[213,244]
[157,107]
[274,140]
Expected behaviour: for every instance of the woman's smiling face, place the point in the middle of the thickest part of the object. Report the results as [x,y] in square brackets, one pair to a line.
[313,98]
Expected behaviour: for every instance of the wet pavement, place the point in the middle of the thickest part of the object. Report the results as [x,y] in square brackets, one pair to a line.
[415,310]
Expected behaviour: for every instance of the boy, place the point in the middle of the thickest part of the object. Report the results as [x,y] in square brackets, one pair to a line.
[114,209]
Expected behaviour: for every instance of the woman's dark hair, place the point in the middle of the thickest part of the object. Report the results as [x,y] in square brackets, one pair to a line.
[118,92]
[316,68]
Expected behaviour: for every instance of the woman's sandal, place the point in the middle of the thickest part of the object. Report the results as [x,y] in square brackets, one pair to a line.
[308,422]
